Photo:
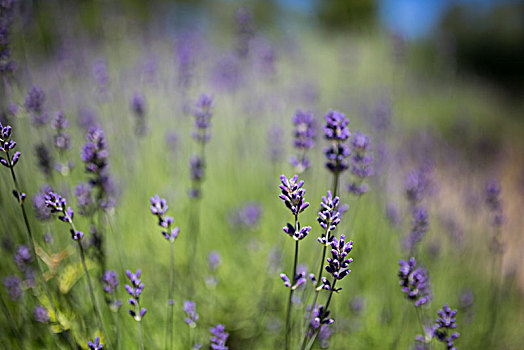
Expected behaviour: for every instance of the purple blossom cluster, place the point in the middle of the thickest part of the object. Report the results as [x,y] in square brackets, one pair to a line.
[293,194]
[7,65]
[414,282]
[494,203]
[338,265]
[303,139]
[34,104]
[203,112]
[58,204]
[135,290]
[360,166]
[159,208]
[247,216]
[41,314]
[191,315]
[96,345]
[62,139]
[7,144]
[328,217]
[337,133]
[219,337]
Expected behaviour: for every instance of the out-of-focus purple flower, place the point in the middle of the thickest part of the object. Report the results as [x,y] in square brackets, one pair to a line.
[135,289]
[172,140]
[414,282]
[492,193]
[357,304]
[219,337]
[360,163]
[244,30]
[247,216]
[138,106]
[87,118]
[40,208]
[337,133]
[226,74]
[293,194]
[84,199]
[264,57]
[445,323]
[41,314]
[319,317]
[186,48]
[7,65]
[34,104]
[393,214]
[23,257]
[44,160]
[338,265]
[466,299]
[303,139]
[58,204]
[196,167]
[62,139]
[101,76]
[203,112]
[96,345]
[323,336]
[419,227]
[275,143]
[417,185]
[214,260]
[190,310]
[13,285]
[110,281]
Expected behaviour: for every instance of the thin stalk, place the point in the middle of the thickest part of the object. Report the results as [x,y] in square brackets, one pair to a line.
[169,317]
[314,336]
[91,290]
[33,247]
[291,290]
[12,324]
[140,340]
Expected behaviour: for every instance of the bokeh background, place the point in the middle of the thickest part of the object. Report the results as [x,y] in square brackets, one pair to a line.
[437,85]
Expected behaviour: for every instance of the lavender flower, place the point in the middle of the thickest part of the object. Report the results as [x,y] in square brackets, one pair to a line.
[297,281]
[41,314]
[203,112]
[417,186]
[226,75]
[13,285]
[7,144]
[337,133]
[414,281]
[420,223]
[135,289]
[328,217]
[23,257]
[219,337]
[214,260]
[244,30]
[138,106]
[338,265]
[247,216]
[7,65]
[159,208]
[110,281]
[360,163]
[190,310]
[96,345]
[101,77]
[275,143]
[319,317]
[84,199]
[492,194]
[445,323]
[196,166]
[62,139]
[34,104]
[293,194]
[45,160]
[304,139]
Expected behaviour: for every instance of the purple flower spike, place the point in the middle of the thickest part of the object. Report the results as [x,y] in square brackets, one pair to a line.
[41,314]
[96,345]
[203,112]
[338,265]
[414,281]
[159,208]
[135,290]
[219,337]
[304,139]
[7,144]
[293,194]
[299,279]
[190,310]
[337,133]
[444,324]
[360,163]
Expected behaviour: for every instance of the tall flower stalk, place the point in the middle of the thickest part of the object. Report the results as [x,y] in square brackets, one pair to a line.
[303,139]
[336,131]
[203,112]
[292,194]
[159,208]
[57,204]
[7,145]
[137,312]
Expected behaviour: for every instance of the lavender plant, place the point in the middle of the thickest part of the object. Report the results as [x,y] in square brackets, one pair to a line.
[137,312]
[361,160]
[96,345]
[58,205]
[159,208]
[292,194]
[304,139]
[7,65]
[219,337]
[191,320]
[336,131]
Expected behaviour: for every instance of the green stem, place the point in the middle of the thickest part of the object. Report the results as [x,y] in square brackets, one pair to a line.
[33,247]
[169,317]
[288,316]
[140,340]
[314,336]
